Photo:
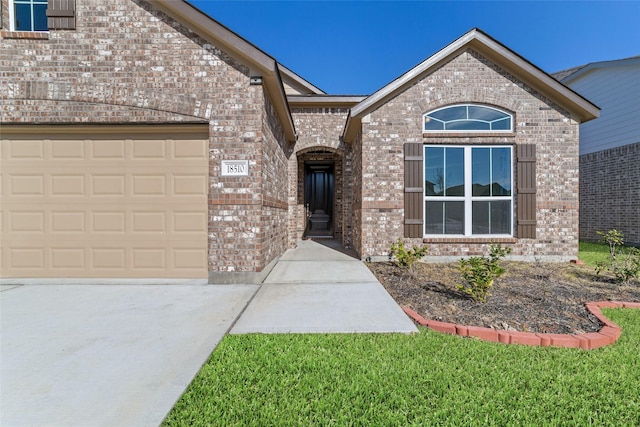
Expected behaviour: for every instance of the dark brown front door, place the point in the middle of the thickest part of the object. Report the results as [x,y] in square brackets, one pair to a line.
[319,185]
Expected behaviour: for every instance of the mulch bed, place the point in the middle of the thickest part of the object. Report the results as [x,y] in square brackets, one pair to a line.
[529,297]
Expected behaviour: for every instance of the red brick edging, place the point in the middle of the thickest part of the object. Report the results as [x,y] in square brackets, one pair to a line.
[609,333]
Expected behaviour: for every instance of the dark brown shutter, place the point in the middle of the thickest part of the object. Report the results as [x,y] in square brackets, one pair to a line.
[61,14]
[526,191]
[413,192]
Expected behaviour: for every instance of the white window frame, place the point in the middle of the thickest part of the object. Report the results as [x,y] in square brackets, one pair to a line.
[12,17]
[510,116]
[468,197]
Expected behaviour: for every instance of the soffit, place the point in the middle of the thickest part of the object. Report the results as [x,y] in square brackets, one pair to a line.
[329,101]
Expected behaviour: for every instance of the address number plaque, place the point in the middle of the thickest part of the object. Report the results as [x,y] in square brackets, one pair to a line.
[235,168]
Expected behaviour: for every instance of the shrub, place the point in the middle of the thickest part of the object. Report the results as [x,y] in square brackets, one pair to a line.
[623,263]
[614,239]
[480,272]
[405,257]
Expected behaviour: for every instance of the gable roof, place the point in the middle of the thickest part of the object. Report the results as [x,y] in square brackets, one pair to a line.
[574,73]
[258,62]
[579,107]
[299,85]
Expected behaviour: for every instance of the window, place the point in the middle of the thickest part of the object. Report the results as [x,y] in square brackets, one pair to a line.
[468,190]
[467,117]
[29,15]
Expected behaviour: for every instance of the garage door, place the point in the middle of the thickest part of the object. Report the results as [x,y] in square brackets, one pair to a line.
[104,202]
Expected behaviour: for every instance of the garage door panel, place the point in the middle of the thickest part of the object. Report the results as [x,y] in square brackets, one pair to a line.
[108,221]
[149,222]
[26,184]
[190,149]
[190,222]
[64,258]
[68,221]
[27,258]
[106,149]
[112,260]
[29,149]
[67,184]
[68,149]
[188,259]
[150,150]
[26,221]
[97,207]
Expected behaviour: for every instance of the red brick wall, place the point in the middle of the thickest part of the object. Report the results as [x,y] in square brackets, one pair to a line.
[610,193]
[471,78]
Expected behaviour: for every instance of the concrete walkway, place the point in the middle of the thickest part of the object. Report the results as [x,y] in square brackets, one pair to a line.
[319,288]
[121,355]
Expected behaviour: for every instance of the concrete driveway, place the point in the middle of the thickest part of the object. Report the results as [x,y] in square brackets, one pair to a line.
[106,355]
[121,355]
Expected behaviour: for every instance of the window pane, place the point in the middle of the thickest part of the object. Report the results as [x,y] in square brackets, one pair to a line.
[453,217]
[454,170]
[501,171]
[503,124]
[501,217]
[480,220]
[434,218]
[444,218]
[491,217]
[468,125]
[481,171]
[40,17]
[451,113]
[431,124]
[23,17]
[477,112]
[434,171]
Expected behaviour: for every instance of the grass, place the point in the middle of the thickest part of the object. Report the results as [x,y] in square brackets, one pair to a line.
[591,253]
[413,380]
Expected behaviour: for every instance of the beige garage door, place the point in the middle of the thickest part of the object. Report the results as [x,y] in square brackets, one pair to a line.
[104,202]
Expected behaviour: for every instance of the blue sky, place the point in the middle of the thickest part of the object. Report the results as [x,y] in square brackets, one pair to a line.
[356,47]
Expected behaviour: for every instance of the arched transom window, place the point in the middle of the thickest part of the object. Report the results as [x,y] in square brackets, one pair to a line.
[467,118]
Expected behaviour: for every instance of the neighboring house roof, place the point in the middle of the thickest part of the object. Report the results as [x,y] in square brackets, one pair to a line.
[258,62]
[579,107]
[570,74]
[614,85]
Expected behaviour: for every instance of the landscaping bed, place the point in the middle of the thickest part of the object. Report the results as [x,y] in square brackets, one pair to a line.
[530,297]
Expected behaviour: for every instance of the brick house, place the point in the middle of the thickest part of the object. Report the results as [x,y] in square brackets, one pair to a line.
[144,140]
[609,148]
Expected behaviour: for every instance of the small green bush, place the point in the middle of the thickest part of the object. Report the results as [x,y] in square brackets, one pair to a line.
[623,262]
[405,257]
[480,272]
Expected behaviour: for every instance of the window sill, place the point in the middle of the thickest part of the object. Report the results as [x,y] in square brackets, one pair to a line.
[28,35]
[469,240]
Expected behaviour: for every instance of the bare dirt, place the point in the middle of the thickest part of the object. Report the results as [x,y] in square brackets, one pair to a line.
[529,297]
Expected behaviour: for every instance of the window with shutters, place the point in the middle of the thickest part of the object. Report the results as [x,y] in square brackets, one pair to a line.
[468,191]
[40,16]
[28,15]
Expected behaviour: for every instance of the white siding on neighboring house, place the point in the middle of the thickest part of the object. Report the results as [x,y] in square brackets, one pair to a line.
[616,90]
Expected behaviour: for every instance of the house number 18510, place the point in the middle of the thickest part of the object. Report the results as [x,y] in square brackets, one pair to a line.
[235,168]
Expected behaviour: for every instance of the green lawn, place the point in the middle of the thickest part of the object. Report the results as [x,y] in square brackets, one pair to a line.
[423,379]
[591,253]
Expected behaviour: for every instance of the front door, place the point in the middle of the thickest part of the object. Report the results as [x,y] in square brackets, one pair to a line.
[319,185]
